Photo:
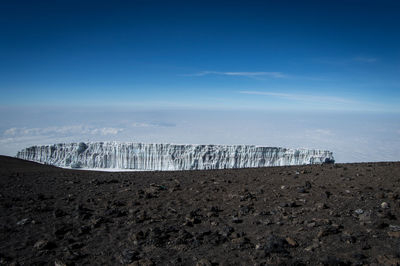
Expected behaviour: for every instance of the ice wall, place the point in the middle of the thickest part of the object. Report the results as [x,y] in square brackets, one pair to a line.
[114,155]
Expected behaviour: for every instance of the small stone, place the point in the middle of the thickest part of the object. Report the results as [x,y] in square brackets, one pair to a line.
[301,190]
[291,242]
[95,223]
[283,204]
[211,214]
[312,224]
[328,230]
[142,262]
[188,223]
[394,234]
[359,211]
[275,244]
[139,236]
[128,256]
[44,244]
[59,263]
[193,220]
[348,238]
[384,205]
[203,262]
[321,206]
[328,194]
[365,217]
[312,247]
[23,221]
[236,220]
[394,228]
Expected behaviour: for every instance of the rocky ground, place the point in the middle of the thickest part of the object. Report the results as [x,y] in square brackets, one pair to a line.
[342,214]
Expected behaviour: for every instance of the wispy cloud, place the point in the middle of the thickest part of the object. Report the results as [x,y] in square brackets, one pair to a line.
[152,124]
[346,61]
[365,59]
[63,130]
[240,74]
[301,97]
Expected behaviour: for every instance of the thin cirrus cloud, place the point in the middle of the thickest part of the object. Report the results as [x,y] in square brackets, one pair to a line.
[301,97]
[240,74]
[365,59]
[347,61]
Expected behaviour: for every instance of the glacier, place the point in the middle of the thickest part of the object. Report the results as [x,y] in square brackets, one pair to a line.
[139,156]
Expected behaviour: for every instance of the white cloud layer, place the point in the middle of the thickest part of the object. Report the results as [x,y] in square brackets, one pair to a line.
[353,137]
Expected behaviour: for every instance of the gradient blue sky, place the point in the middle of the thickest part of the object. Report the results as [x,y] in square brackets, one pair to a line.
[282,59]
[231,54]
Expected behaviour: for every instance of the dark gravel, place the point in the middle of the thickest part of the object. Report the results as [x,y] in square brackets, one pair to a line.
[342,214]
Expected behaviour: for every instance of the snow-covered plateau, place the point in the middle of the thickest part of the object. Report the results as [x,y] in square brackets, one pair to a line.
[138,156]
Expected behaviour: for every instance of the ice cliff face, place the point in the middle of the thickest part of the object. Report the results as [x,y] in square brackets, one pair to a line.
[139,156]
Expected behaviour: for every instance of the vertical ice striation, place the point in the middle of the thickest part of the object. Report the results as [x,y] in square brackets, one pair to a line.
[114,155]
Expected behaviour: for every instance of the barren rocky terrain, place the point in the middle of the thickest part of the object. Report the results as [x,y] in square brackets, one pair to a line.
[332,214]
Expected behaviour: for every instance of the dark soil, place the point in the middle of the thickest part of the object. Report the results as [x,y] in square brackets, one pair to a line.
[342,214]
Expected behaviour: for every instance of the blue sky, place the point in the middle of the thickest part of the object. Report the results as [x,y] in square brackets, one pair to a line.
[305,58]
[345,54]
